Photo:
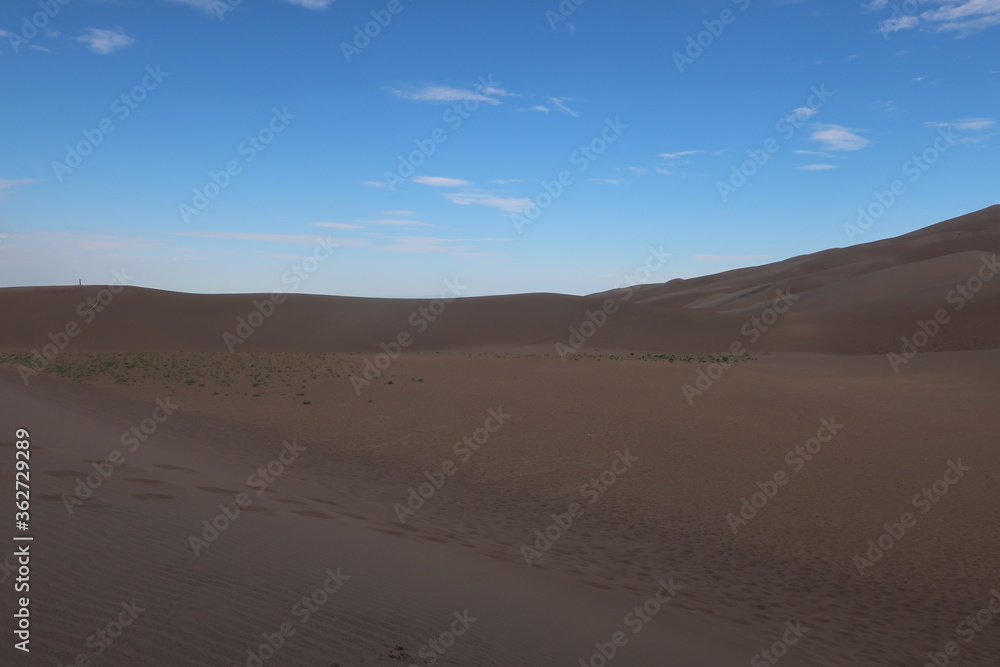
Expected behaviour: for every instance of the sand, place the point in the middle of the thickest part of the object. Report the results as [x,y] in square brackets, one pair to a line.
[716,489]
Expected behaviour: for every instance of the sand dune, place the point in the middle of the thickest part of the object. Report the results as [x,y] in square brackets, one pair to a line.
[856,300]
[754,511]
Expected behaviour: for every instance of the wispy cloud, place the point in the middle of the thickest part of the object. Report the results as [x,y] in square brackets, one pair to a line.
[962,17]
[291,239]
[679,155]
[609,181]
[838,138]
[311,4]
[506,204]
[560,103]
[7,184]
[731,258]
[976,129]
[816,153]
[216,8]
[398,223]
[433,244]
[374,184]
[336,225]
[965,124]
[817,167]
[441,181]
[105,42]
[485,95]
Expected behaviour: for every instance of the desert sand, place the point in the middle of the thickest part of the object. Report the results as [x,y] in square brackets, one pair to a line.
[790,464]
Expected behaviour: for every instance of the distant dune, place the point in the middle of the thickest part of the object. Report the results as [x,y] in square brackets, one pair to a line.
[861,299]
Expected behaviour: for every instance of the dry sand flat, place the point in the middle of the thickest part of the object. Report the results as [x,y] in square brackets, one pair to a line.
[664,517]
[819,499]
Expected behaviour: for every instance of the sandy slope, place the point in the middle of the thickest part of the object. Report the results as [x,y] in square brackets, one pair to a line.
[702,443]
[857,300]
[130,544]
[667,517]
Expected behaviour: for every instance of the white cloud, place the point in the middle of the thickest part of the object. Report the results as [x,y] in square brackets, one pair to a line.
[292,239]
[816,153]
[898,23]
[486,95]
[963,17]
[817,167]
[7,184]
[839,138]
[636,170]
[441,181]
[730,258]
[399,212]
[336,225]
[311,4]
[677,156]
[505,204]
[430,244]
[374,184]
[966,17]
[399,223]
[105,41]
[609,181]
[877,5]
[559,103]
[805,112]
[217,8]
[965,124]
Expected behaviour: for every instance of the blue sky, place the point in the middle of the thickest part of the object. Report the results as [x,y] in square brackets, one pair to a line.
[205,145]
